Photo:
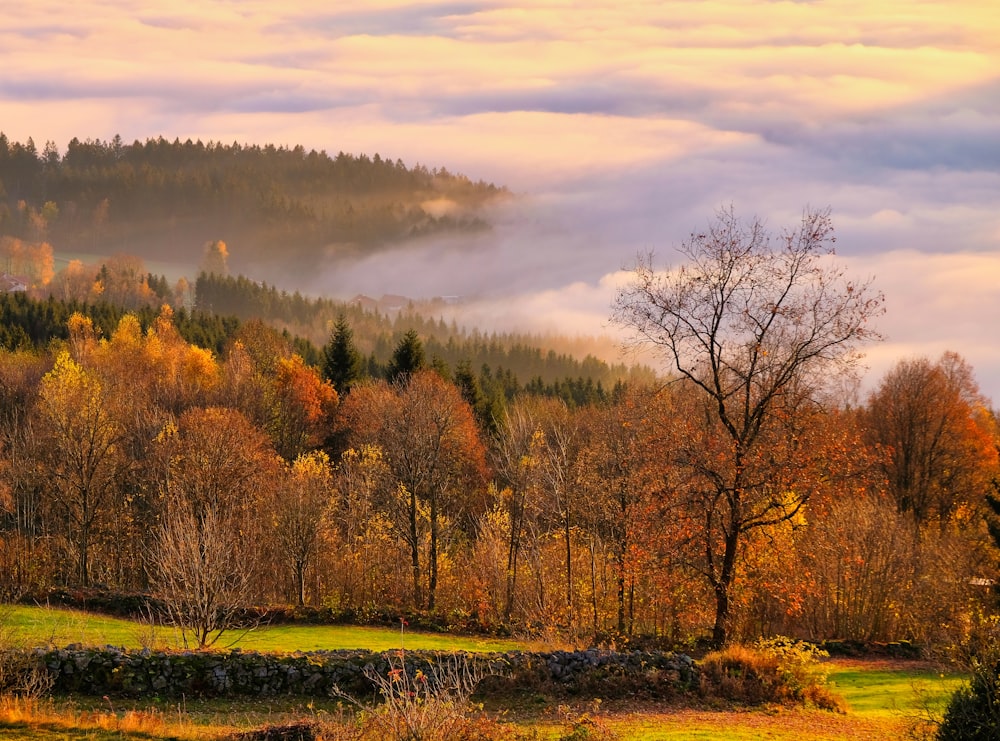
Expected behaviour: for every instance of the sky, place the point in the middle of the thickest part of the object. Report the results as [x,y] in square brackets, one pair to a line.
[622,127]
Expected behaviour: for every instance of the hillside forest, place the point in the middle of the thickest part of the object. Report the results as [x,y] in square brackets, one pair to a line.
[196,443]
[159,197]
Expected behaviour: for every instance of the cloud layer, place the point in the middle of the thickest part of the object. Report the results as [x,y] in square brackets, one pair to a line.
[623,126]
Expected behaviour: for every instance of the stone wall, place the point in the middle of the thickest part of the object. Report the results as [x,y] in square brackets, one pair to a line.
[115,671]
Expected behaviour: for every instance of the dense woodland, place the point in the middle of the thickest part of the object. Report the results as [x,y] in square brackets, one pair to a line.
[221,443]
[394,495]
[161,197]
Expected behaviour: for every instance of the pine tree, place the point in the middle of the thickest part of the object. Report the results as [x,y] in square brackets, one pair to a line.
[406,358]
[343,364]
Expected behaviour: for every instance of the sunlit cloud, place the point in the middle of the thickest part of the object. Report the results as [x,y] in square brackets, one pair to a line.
[622,127]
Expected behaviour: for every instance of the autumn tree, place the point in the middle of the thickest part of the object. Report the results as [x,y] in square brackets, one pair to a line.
[617,473]
[303,406]
[32,261]
[368,516]
[22,564]
[756,326]
[299,506]
[152,375]
[431,447]
[75,282]
[936,434]
[122,280]
[516,458]
[80,447]
[215,258]
[560,446]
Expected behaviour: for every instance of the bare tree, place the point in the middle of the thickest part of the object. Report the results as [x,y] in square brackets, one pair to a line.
[216,472]
[203,575]
[756,328]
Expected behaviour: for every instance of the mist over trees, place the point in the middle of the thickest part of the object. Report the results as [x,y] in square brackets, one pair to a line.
[222,444]
[171,197]
[125,458]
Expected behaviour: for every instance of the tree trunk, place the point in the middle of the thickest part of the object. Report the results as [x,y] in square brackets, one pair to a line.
[415,553]
[84,548]
[513,548]
[593,584]
[569,570]
[300,580]
[433,558]
[621,595]
[721,632]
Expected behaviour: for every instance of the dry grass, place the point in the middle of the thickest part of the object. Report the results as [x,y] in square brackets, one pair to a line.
[885,699]
[784,723]
[30,713]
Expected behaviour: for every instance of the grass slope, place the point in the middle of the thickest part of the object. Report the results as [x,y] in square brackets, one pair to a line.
[44,626]
[886,698]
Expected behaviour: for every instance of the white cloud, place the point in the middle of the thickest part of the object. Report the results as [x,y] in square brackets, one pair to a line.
[624,125]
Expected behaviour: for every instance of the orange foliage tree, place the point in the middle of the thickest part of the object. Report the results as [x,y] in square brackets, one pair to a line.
[216,472]
[431,446]
[937,436]
[754,329]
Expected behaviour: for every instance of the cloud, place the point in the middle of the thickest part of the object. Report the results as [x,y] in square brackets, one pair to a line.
[936,303]
[623,127]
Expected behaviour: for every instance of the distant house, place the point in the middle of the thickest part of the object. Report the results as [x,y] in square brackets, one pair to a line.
[388,304]
[393,304]
[365,302]
[12,284]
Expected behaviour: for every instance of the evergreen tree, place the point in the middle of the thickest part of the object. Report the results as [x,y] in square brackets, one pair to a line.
[472,392]
[439,366]
[343,364]
[406,358]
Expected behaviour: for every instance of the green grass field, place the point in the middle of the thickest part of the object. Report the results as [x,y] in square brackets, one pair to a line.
[43,626]
[886,690]
[885,699]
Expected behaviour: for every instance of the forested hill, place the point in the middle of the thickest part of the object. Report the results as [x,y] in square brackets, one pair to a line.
[530,360]
[504,366]
[147,197]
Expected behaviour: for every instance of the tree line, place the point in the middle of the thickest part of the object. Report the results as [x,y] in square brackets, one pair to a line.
[495,365]
[739,497]
[148,196]
[377,333]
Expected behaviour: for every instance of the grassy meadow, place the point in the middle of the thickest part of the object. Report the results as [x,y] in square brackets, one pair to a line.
[44,626]
[885,699]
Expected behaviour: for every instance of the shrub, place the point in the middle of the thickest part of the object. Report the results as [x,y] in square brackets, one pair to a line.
[802,671]
[21,673]
[426,703]
[772,670]
[585,726]
[973,712]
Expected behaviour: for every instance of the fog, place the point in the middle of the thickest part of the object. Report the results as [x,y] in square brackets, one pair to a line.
[620,127]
